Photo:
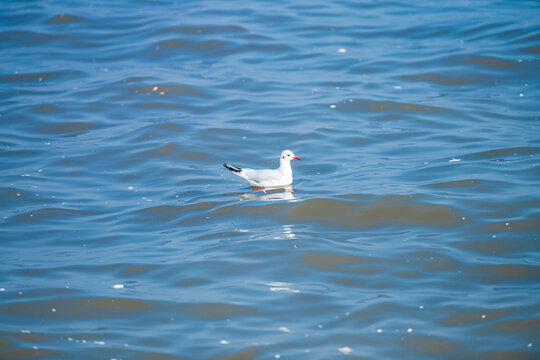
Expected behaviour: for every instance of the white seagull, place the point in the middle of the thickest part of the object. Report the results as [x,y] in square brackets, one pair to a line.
[282,176]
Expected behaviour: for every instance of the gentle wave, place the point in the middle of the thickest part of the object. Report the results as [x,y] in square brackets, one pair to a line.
[410,229]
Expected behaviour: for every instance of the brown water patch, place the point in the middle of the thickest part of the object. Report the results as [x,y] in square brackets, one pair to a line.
[65,18]
[508,272]
[244,354]
[175,90]
[67,128]
[358,105]
[203,30]
[326,261]
[433,346]
[55,214]
[218,311]
[31,354]
[165,213]
[138,269]
[25,78]
[504,355]
[491,62]
[474,186]
[143,355]
[458,183]
[531,225]
[532,49]
[462,318]
[387,211]
[174,44]
[173,151]
[530,325]
[191,282]
[46,109]
[28,38]
[234,210]
[505,152]
[183,44]
[86,308]
[439,79]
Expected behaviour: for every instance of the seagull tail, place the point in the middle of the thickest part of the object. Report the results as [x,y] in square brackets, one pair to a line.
[232,168]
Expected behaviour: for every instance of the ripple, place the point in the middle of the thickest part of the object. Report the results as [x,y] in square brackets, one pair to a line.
[411,227]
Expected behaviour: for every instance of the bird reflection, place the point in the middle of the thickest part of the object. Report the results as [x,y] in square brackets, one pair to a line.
[286,232]
[270,194]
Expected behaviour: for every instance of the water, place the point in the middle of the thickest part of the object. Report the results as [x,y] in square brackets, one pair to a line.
[412,227]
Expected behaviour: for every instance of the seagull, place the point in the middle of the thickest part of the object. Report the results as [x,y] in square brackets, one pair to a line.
[282,176]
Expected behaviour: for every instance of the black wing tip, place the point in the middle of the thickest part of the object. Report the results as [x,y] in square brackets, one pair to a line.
[232,168]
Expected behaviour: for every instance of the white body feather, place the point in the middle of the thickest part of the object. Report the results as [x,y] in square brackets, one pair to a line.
[281,176]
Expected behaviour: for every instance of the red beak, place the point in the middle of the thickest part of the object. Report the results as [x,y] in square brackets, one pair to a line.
[296,158]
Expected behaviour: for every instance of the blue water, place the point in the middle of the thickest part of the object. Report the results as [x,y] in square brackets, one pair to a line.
[412,227]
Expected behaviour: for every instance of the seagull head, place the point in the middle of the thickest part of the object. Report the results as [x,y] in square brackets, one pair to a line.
[288,155]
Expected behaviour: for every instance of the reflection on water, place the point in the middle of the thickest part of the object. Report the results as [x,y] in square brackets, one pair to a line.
[270,194]
[287,233]
[282,286]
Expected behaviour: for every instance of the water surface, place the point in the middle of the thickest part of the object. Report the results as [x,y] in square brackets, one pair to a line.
[412,227]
